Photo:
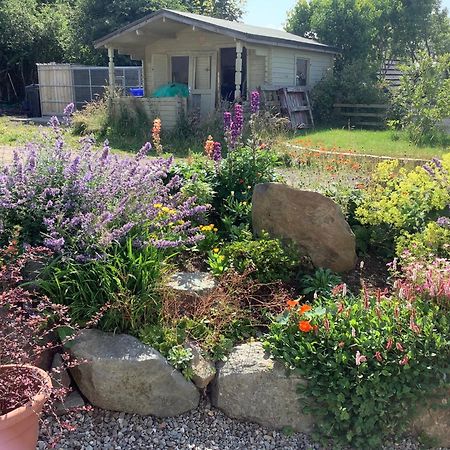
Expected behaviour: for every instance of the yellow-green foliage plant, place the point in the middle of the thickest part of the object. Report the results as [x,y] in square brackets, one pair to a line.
[409,206]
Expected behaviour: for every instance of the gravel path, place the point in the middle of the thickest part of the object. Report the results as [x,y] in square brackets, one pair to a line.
[205,428]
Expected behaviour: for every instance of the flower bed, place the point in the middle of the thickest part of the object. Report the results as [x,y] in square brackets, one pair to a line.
[119,228]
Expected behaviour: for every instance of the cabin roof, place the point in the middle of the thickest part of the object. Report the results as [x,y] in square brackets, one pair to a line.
[237,30]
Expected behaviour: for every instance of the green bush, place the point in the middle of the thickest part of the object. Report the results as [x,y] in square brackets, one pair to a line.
[267,258]
[399,204]
[356,82]
[321,282]
[126,278]
[244,168]
[368,362]
[424,98]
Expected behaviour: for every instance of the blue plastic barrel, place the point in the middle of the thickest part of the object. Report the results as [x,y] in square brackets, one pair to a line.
[137,92]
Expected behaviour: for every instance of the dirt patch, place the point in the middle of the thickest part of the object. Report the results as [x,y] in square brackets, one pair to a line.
[6,154]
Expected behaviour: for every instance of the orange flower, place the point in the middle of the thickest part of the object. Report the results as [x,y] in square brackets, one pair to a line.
[209,146]
[305,308]
[305,326]
[292,304]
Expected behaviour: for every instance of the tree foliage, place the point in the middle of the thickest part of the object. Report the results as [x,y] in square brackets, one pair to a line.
[64,30]
[374,29]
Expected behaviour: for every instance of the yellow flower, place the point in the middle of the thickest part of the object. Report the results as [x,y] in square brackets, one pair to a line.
[165,209]
[215,230]
[157,205]
[216,250]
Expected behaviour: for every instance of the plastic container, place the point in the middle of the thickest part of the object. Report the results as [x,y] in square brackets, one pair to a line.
[137,92]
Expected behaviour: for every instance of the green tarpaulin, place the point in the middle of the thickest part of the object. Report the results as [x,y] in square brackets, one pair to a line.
[172,90]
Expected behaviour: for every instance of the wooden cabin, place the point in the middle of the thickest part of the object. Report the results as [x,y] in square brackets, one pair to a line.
[218,60]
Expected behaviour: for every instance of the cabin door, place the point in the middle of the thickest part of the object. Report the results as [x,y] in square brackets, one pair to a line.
[202,83]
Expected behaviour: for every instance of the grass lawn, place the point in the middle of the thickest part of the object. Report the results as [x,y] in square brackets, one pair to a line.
[16,134]
[380,143]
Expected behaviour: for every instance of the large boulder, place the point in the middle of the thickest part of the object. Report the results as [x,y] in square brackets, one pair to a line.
[251,386]
[120,373]
[312,221]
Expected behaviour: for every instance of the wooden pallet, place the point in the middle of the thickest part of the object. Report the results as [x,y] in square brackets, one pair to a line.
[295,104]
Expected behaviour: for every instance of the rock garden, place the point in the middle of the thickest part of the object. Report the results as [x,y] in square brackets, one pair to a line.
[205,303]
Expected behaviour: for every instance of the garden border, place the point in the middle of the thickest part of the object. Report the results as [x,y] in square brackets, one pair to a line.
[357,155]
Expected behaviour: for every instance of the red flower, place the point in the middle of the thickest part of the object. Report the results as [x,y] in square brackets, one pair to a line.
[404,361]
[291,304]
[399,347]
[378,356]
[389,344]
[305,326]
[305,308]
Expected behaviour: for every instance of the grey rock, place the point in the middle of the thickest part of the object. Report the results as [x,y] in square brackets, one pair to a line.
[60,375]
[71,403]
[312,221]
[191,283]
[120,373]
[203,369]
[251,386]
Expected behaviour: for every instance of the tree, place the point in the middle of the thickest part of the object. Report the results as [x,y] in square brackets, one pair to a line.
[373,29]
[30,31]
[223,9]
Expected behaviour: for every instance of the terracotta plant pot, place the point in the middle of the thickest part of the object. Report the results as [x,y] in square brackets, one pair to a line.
[19,429]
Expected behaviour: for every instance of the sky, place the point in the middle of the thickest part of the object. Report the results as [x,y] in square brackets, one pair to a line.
[273,13]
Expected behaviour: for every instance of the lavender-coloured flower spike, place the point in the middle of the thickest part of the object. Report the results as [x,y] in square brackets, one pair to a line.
[227,120]
[237,124]
[84,201]
[217,153]
[255,102]
[68,112]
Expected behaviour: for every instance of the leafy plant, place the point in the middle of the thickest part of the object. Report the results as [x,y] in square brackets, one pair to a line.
[321,282]
[127,278]
[424,98]
[217,262]
[400,205]
[267,259]
[81,203]
[181,357]
[368,361]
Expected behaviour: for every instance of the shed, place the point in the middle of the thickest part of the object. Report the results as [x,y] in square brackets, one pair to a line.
[217,59]
[61,84]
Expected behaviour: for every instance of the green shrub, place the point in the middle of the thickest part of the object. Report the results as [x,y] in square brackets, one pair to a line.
[93,118]
[243,168]
[424,98]
[266,258]
[126,278]
[321,282]
[368,362]
[356,82]
[399,204]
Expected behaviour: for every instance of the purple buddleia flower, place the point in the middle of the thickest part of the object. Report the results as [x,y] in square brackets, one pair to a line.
[255,102]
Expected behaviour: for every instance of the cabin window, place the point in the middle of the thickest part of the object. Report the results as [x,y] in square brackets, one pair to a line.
[180,69]
[301,73]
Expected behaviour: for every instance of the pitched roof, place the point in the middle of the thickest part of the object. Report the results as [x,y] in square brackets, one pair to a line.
[238,30]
